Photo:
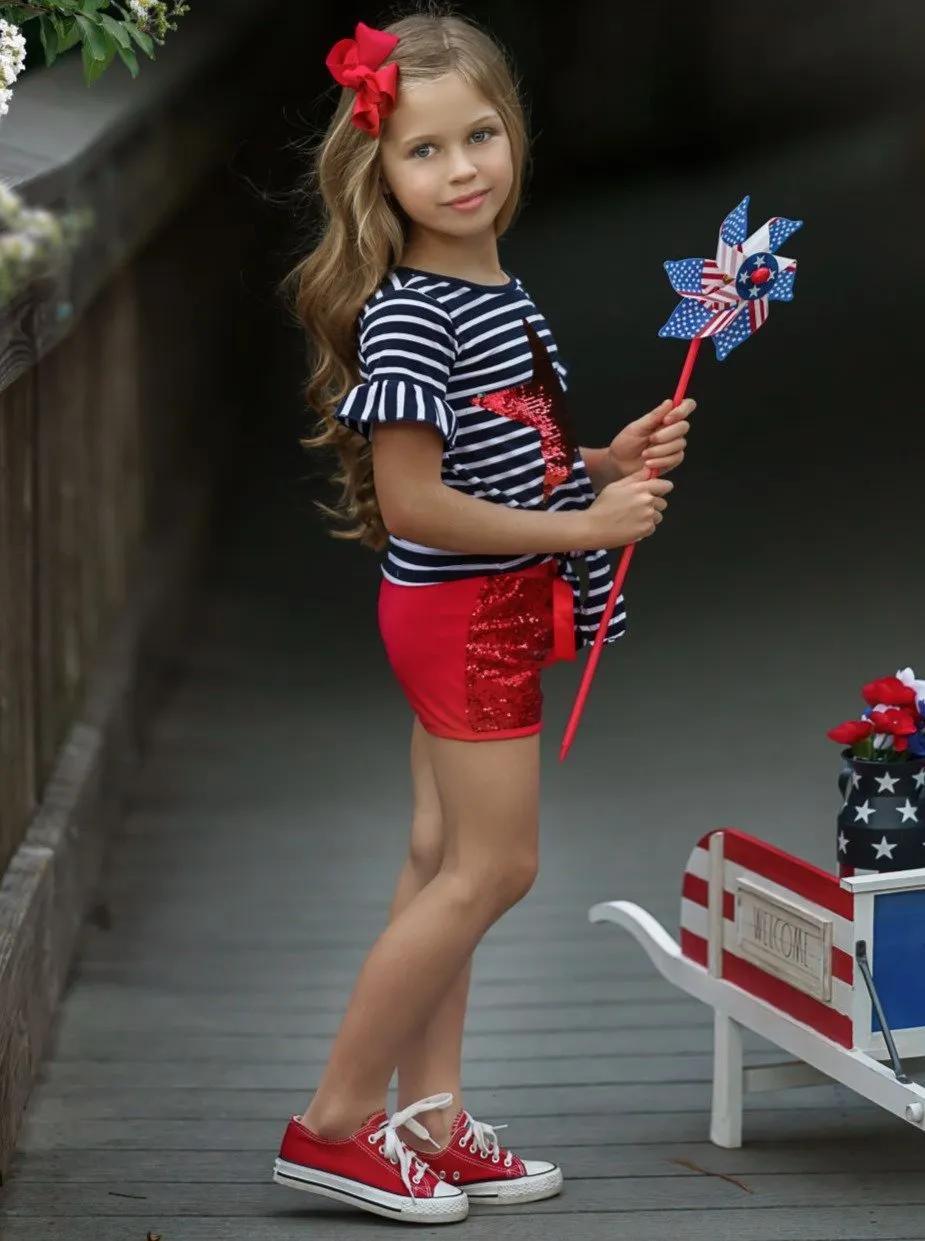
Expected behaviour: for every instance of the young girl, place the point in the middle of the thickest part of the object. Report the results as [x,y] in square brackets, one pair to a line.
[439,384]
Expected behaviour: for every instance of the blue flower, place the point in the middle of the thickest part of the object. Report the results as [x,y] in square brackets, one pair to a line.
[917,744]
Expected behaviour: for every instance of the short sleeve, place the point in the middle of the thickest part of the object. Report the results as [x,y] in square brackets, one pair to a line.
[562,371]
[407,347]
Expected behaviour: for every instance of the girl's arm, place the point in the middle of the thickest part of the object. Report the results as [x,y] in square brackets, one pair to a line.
[418,506]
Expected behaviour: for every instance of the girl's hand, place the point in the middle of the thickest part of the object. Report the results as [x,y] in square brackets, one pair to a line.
[656,441]
[628,510]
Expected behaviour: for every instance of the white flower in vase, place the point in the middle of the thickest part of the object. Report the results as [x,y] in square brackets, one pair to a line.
[907,676]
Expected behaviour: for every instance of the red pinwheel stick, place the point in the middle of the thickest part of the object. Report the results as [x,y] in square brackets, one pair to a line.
[620,578]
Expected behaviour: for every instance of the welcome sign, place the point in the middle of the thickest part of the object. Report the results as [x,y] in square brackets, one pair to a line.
[786,940]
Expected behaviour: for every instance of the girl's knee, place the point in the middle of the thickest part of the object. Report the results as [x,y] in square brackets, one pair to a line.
[517,876]
[496,882]
[425,852]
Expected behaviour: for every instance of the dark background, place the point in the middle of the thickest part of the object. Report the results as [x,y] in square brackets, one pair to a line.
[788,570]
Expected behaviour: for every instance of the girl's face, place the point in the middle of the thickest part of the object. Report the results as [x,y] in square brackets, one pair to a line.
[446,158]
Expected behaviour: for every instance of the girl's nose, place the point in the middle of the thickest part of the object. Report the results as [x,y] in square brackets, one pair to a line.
[462,166]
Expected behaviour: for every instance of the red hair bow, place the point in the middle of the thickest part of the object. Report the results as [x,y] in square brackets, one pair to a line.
[356,63]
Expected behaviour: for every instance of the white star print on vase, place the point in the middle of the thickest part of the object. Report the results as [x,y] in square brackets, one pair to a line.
[887,783]
[908,812]
[884,848]
[863,812]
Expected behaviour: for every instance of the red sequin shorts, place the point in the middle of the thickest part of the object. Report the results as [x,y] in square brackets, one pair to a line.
[468,654]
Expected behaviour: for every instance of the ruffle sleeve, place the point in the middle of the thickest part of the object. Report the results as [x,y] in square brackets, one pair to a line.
[395,400]
[406,350]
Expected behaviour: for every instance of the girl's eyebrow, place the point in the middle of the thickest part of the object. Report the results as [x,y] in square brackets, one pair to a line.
[420,139]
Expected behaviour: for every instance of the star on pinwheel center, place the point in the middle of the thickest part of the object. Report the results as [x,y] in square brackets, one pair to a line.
[757,275]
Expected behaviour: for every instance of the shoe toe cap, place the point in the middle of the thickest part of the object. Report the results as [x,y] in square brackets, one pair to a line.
[442,1190]
[538,1167]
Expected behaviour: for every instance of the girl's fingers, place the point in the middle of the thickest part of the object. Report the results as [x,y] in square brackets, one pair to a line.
[671,449]
[671,431]
[663,461]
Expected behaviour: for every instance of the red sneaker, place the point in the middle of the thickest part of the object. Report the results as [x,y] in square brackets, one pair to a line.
[372,1169]
[475,1161]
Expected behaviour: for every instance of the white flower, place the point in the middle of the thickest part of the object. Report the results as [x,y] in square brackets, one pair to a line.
[12,54]
[14,246]
[907,676]
[141,10]
[10,204]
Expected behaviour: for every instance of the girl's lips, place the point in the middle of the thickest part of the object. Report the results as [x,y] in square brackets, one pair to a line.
[469,202]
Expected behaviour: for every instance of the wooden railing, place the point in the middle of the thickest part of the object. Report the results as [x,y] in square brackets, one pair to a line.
[119,404]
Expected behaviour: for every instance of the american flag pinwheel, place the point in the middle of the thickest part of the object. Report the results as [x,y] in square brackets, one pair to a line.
[728,297]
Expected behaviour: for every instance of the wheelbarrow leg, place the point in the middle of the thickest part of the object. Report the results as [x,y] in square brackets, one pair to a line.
[726,1119]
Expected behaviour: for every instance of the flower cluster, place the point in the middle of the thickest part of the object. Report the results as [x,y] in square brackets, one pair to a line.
[12,61]
[893,726]
[155,17]
[31,240]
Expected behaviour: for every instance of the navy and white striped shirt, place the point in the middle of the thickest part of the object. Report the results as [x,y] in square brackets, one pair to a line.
[427,346]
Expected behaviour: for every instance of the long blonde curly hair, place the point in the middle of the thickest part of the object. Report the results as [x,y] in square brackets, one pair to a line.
[363,236]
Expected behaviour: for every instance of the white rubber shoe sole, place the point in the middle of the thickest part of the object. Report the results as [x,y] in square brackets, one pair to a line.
[545,1182]
[447,1206]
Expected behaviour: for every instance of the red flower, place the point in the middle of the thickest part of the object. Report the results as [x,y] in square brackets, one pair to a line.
[896,722]
[890,691]
[850,732]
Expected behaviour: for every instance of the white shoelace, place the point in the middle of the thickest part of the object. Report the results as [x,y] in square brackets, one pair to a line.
[483,1139]
[394,1149]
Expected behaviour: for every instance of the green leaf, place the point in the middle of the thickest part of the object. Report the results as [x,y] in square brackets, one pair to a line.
[93,66]
[130,59]
[49,39]
[70,36]
[144,41]
[94,38]
[116,30]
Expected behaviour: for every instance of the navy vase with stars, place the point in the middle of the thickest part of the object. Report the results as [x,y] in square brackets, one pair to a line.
[881,826]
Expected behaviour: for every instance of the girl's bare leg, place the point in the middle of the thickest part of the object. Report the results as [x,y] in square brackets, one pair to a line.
[431,1060]
[489,794]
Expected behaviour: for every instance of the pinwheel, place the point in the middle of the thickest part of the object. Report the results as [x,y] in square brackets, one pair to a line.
[726,298]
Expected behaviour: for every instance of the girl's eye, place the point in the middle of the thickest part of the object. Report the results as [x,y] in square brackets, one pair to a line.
[482,135]
[421,152]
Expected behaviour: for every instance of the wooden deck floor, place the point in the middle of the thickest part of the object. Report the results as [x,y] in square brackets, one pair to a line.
[256,864]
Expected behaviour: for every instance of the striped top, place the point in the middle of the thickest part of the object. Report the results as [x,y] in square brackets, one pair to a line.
[473,361]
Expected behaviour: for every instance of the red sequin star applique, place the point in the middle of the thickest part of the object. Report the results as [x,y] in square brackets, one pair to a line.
[539,404]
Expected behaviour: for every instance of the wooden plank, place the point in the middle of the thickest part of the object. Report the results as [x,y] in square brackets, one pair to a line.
[482,1072]
[293,995]
[62,1131]
[103,1046]
[93,1012]
[601,1161]
[504,1102]
[756,1193]
[17,615]
[275,942]
[27,976]
[504,966]
[822,1224]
